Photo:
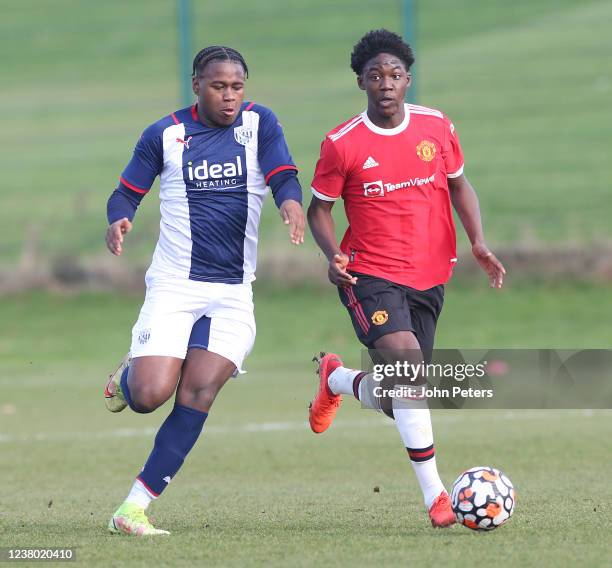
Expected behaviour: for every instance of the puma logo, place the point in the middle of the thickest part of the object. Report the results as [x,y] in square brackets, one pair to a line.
[184,142]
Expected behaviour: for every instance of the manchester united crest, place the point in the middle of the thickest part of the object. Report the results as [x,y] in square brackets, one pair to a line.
[380,317]
[426,150]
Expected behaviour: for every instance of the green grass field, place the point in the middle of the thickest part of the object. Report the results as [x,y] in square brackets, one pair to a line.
[526,83]
[260,489]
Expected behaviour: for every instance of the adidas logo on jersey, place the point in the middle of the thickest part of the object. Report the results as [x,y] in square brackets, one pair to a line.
[370,163]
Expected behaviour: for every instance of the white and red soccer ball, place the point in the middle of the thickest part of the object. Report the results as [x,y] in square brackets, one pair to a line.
[483,498]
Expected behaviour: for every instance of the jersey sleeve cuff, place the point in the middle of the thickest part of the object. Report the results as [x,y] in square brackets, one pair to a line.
[133,187]
[289,190]
[456,174]
[121,204]
[280,169]
[322,196]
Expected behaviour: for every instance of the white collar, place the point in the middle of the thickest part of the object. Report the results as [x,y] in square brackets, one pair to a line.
[387,131]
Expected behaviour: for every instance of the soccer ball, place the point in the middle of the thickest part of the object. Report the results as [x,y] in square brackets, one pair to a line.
[483,498]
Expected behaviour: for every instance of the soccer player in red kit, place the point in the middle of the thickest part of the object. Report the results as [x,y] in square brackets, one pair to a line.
[399,168]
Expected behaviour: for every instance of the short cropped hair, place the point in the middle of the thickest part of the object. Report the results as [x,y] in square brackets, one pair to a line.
[216,53]
[380,41]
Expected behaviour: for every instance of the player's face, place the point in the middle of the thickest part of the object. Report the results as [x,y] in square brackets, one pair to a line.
[220,91]
[385,80]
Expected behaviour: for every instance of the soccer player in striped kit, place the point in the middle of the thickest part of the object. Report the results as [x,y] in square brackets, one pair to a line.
[399,169]
[217,161]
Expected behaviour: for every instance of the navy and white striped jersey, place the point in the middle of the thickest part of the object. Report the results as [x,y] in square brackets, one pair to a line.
[212,185]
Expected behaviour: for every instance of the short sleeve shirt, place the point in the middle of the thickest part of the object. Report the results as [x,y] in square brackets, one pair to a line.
[394,184]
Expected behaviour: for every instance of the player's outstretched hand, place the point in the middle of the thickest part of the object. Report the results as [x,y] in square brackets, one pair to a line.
[337,273]
[114,235]
[490,264]
[292,214]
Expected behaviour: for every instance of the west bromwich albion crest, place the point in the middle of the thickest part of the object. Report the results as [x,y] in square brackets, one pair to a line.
[243,134]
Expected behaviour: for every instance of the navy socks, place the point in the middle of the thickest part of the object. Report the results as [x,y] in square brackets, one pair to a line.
[125,389]
[173,442]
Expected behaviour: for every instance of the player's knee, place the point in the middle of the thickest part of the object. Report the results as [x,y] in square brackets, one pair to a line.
[145,404]
[200,397]
[398,341]
[142,408]
[148,399]
[205,396]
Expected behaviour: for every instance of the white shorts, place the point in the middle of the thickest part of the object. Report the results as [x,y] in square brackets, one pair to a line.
[179,313]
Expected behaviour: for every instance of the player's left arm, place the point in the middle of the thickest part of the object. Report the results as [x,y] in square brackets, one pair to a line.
[292,214]
[287,194]
[465,202]
[281,174]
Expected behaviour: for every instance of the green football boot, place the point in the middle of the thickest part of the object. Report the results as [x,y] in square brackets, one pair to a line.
[113,397]
[130,519]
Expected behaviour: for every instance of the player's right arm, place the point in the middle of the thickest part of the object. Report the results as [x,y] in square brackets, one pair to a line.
[134,183]
[323,230]
[280,173]
[327,187]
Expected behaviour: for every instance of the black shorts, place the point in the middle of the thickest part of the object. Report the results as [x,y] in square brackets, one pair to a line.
[378,307]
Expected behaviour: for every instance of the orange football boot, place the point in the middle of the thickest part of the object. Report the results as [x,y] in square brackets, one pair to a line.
[441,513]
[323,408]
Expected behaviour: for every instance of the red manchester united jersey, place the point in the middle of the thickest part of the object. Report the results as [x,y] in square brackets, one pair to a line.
[395,191]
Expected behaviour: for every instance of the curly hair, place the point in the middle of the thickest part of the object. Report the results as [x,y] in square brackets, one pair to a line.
[217,52]
[380,41]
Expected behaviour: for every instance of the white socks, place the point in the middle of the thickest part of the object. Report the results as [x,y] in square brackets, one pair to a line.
[139,495]
[340,381]
[413,421]
[429,480]
[414,425]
